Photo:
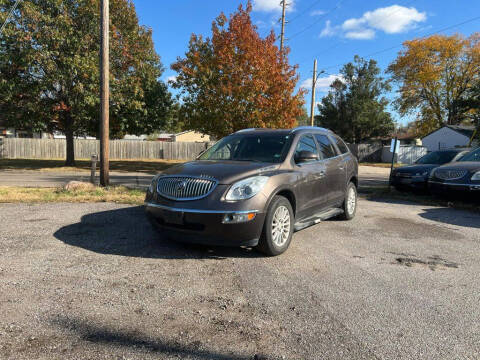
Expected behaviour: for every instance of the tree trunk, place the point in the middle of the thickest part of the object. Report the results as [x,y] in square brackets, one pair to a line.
[70,161]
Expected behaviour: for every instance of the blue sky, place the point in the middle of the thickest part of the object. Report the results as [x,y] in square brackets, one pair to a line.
[332,31]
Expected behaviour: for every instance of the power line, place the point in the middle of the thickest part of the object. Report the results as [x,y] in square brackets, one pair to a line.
[304,11]
[423,37]
[383,19]
[318,20]
[9,14]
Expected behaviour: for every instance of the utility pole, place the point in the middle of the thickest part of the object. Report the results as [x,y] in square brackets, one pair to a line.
[104,94]
[314,84]
[282,35]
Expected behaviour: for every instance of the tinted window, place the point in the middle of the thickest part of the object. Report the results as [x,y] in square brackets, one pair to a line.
[473,156]
[341,145]
[326,147]
[437,157]
[262,148]
[306,143]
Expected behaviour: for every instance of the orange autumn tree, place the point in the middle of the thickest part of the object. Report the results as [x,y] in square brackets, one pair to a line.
[434,74]
[236,79]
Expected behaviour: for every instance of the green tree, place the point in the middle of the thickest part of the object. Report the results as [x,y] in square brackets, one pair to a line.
[433,75]
[469,105]
[236,79]
[354,108]
[49,70]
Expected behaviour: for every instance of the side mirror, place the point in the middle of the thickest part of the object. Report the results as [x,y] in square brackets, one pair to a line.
[305,156]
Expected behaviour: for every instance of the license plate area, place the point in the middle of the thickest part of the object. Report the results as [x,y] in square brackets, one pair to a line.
[405,181]
[173,217]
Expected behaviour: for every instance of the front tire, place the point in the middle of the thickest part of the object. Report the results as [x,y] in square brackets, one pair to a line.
[350,203]
[278,227]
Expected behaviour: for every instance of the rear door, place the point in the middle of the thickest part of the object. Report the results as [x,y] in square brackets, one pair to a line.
[335,169]
[311,183]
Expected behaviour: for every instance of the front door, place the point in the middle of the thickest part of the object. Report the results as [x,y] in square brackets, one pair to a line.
[311,185]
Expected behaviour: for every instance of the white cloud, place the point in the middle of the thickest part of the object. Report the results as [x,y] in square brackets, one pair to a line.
[172,79]
[323,83]
[360,34]
[394,19]
[317,13]
[391,20]
[328,30]
[271,5]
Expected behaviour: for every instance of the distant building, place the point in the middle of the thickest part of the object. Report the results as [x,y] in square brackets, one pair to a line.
[448,137]
[190,136]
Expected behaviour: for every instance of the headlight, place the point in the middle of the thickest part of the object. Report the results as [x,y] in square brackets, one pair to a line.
[476,176]
[425,173]
[432,173]
[245,189]
[153,184]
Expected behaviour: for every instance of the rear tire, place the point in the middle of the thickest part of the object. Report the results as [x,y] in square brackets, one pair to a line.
[278,227]
[349,206]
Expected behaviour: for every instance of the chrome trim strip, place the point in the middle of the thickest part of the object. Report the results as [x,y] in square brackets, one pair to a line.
[454,184]
[198,211]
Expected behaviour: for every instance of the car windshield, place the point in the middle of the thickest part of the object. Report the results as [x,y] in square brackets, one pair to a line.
[270,148]
[472,156]
[437,157]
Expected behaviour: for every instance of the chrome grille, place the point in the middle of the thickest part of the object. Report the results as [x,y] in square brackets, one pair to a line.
[450,174]
[185,187]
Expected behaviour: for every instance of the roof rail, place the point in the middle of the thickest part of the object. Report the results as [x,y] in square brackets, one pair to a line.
[310,128]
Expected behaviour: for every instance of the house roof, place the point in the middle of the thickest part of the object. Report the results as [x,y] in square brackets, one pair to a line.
[465,130]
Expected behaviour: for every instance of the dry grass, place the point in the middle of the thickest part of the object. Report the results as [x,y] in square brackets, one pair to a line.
[118,194]
[57,165]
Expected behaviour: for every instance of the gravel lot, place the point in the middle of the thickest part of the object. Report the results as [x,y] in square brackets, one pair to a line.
[91,281]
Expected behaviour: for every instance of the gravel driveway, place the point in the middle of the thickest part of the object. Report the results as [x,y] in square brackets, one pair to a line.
[91,281]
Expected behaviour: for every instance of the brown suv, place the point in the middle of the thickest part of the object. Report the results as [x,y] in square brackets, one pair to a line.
[255,187]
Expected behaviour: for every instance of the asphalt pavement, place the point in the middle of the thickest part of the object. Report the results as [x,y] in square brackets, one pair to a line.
[90,281]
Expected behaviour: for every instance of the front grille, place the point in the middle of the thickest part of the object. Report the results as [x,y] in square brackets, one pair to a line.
[185,188]
[450,174]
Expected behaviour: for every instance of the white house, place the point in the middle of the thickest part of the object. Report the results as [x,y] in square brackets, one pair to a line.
[448,137]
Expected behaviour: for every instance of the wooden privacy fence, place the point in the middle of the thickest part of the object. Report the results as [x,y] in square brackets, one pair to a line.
[15,148]
[367,152]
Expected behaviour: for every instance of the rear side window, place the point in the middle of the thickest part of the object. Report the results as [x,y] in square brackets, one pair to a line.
[340,144]
[306,143]
[326,147]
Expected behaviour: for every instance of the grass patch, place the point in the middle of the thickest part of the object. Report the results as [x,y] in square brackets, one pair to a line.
[57,165]
[382,192]
[381,165]
[117,194]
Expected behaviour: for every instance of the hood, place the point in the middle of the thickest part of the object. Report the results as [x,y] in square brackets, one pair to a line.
[472,166]
[413,169]
[226,172]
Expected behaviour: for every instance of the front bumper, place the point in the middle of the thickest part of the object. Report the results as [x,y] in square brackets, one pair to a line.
[415,182]
[205,226]
[439,187]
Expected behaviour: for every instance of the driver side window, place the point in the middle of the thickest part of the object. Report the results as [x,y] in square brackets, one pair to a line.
[306,143]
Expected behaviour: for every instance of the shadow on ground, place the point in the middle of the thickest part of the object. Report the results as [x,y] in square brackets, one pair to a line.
[104,335]
[127,232]
[452,217]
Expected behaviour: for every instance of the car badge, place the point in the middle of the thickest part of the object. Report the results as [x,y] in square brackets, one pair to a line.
[182,185]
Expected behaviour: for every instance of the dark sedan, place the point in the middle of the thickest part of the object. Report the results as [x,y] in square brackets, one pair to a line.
[415,177]
[459,177]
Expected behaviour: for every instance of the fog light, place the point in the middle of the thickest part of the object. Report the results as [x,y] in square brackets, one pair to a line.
[238,217]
